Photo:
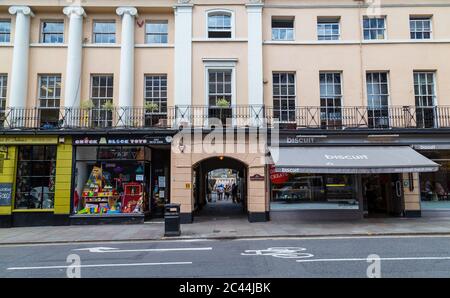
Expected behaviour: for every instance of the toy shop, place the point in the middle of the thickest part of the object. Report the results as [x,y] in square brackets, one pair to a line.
[120,177]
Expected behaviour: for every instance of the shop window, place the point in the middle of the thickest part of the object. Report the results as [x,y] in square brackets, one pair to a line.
[3,88]
[435,186]
[155,97]
[312,191]
[111,180]
[35,182]
[49,100]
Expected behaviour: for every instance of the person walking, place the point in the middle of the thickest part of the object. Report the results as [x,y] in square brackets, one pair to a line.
[234,191]
[220,190]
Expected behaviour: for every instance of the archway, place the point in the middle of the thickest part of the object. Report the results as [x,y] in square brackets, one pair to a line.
[214,175]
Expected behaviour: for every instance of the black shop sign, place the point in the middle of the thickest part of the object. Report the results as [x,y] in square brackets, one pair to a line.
[5,194]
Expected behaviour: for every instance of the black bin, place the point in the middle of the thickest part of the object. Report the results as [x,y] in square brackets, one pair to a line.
[172,220]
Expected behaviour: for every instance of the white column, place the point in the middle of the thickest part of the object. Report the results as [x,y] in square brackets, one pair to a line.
[126,84]
[72,84]
[19,73]
[183,56]
[255,57]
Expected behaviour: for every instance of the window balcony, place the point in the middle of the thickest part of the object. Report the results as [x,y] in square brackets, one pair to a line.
[296,118]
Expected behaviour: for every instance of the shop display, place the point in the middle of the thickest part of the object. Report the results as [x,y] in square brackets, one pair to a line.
[100,196]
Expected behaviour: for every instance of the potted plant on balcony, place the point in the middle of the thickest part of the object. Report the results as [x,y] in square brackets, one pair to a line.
[151,107]
[108,106]
[85,112]
[222,103]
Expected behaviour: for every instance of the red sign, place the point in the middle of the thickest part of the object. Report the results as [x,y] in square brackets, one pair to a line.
[276,177]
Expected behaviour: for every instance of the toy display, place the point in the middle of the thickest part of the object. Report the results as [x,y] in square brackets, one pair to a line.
[100,195]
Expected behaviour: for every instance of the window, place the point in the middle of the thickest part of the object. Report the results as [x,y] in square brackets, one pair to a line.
[35,183]
[49,99]
[156,32]
[104,32]
[284,96]
[420,27]
[3,88]
[328,29]
[155,99]
[435,186]
[219,25]
[220,94]
[330,100]
[377,99]
[52,32]
[374,28]
[101,94]
[282,29]
[425,98]
[5,31]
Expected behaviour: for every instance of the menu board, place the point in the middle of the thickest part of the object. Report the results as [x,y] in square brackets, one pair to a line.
[5,194]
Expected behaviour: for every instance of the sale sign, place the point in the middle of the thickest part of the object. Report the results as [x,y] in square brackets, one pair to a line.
[277,177]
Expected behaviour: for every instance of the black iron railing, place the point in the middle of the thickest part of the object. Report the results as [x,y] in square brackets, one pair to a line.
[328,118]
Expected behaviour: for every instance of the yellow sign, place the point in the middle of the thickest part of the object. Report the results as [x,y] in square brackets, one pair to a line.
[25,140]
[188,186]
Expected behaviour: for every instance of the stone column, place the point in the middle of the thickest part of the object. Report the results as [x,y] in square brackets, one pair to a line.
[19,72]
[255,59]
[183,58]
[126,83]
[73,63]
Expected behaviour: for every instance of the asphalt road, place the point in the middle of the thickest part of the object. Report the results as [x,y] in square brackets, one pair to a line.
[315,257]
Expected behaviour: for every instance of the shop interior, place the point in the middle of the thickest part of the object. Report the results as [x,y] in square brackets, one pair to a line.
[382,194]
[120,180]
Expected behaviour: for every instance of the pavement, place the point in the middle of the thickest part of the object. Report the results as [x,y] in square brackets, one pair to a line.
[229,225]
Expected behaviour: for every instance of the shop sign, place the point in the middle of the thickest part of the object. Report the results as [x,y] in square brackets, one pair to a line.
[300,140]
[277,177]
[123,141]
[5,194]
[432,147]
[257,177]
[28,140]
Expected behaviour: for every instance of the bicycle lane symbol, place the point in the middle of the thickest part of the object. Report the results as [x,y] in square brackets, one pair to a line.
[280,252]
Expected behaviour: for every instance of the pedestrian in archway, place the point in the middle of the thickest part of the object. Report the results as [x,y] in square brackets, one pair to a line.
[234,191]
[220,190]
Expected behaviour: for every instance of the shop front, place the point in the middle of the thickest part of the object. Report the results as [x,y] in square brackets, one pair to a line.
[333,182]
[35,180]
[120,179]
[435,186]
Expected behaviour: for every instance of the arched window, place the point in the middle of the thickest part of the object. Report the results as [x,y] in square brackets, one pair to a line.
[219,24]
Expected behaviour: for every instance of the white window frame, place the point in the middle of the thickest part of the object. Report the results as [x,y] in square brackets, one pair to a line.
[433,72]
[104,21]
[295,95]
[388,79]
[148,99]
[147,33]
[415,17]
[281,18]
[3,86]
[330,20]
[342,106]
[47,98]
[232,22]
[9,33]
[221,65]
[52,21]
[374,17]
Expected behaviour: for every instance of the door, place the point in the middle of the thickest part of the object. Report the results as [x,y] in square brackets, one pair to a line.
[396,200]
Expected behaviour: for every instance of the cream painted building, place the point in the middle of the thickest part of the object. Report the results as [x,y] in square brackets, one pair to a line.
[352,74]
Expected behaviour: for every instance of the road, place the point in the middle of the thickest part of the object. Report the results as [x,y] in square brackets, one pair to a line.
[313,257]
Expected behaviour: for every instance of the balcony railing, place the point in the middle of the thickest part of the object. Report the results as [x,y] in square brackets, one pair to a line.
[328,118]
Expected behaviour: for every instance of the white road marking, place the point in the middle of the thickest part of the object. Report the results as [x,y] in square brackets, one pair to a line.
[99,265]
[111,249]
[365,259]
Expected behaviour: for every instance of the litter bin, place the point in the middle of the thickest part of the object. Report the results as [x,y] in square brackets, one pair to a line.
[172,220]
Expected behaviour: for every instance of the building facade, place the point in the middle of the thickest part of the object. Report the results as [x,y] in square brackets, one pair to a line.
[326,108]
